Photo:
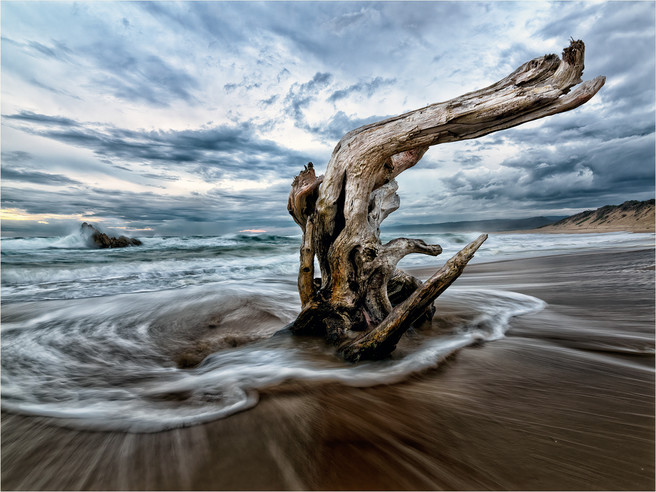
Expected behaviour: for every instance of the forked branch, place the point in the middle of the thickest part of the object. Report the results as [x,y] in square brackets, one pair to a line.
[340,213]
[385,336]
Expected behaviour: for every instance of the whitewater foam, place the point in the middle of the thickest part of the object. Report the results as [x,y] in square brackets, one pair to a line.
[87,334]
[64,268]
[100,366]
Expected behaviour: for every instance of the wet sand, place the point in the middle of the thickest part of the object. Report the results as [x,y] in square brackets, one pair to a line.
[564,402]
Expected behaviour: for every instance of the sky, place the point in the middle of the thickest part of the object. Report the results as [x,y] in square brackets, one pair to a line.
[179,118]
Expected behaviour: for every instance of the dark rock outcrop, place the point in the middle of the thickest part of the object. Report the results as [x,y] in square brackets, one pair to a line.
[97,239]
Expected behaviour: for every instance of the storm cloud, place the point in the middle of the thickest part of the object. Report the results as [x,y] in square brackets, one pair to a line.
[230,148]
[193,117]
[9,174]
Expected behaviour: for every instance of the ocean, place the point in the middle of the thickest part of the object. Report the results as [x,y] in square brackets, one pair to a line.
[98,339]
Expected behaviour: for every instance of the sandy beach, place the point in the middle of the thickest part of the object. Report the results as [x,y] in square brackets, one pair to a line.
[199,244]
[564,402]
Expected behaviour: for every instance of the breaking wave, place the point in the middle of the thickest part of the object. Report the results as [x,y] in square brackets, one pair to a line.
[99,338]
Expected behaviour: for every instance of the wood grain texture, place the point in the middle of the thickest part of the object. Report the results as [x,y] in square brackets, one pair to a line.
[340,213]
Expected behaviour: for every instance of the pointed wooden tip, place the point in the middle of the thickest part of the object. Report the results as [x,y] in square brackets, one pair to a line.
[471,248]
[575,52]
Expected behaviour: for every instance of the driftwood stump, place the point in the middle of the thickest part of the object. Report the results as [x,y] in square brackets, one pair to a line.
[340,213]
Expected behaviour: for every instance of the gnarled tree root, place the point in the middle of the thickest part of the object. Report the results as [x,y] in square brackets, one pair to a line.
[382,340]
[361,302]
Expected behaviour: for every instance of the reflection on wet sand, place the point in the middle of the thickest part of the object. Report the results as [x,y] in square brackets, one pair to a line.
[564,402]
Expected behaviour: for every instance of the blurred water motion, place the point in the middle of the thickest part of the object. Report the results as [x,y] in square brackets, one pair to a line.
[565,400]
[111,364]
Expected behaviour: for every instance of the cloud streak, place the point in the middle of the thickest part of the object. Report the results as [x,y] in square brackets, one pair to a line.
[195,116]
[233,149]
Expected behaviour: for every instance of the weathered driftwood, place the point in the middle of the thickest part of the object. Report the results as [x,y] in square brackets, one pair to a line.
[340,213]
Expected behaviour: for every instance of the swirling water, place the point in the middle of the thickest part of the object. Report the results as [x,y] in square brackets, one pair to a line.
[90,336]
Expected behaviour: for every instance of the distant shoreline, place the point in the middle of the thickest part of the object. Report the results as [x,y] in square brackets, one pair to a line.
[578,230]
[630,216]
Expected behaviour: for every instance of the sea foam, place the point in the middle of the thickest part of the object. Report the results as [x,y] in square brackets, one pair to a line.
[100,365]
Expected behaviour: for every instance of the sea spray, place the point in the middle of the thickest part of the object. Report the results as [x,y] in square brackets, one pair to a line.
[65,268]
[33,269]
[89,336]
[101,365]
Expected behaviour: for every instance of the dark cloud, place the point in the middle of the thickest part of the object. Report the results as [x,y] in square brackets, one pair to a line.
[561,176]
[611,18]
[135,76]
[36,177]
[130,72]
[233,150]
[158,176]
[15,55]
[156,54]
[301,95]
[581,127]
[269,101]
[620,41]
[56,49]
[38,83]
[16,157]
[371,33]
[41,119]
[588,157]
[468,159]
[220,25]
[319,80]
[244,84]
[518,54]
[284,73]
[213,213]
[45,50]
[365,87]
[340,124]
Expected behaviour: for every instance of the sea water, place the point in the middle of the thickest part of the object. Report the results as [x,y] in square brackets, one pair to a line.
[88,335]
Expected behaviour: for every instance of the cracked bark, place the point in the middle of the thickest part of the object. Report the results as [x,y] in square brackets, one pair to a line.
[340,213]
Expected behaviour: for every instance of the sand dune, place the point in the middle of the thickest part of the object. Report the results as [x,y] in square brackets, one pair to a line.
[631,216]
